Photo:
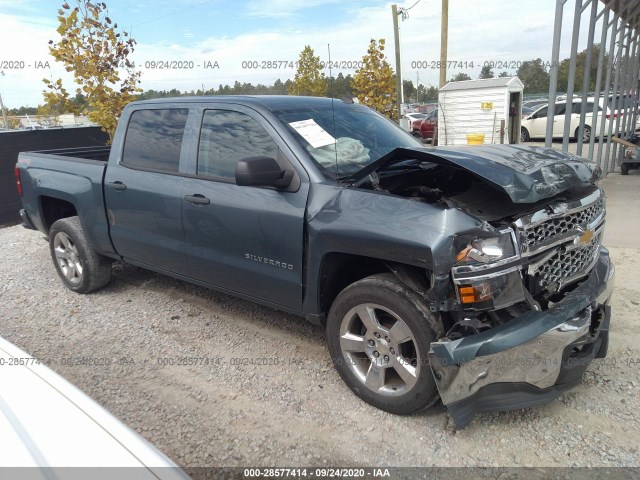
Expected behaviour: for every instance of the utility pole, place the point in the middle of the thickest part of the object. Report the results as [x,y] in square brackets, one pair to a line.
[417,86]
[444,34]
[396,34]
[4,114]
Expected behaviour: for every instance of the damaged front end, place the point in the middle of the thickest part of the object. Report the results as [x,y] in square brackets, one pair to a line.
[533,310]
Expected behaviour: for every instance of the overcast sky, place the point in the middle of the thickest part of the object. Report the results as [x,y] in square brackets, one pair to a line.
[257,31]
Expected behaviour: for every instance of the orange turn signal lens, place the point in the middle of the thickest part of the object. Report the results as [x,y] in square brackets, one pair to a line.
[468,298]
[463,254]
[479,293]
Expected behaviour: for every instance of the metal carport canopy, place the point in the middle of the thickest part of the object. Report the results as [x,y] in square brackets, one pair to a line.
[616,83]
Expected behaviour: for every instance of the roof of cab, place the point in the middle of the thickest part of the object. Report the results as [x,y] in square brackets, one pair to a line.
[268,101]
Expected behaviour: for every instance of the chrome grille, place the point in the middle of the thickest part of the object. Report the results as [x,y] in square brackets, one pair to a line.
[568,263]
[542,232]
[557,242]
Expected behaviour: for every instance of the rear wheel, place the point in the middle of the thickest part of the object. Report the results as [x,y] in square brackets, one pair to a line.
[379,338]
[78,265]
[586,134]
[524,135]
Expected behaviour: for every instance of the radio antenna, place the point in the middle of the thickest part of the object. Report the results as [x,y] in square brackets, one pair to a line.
[333,110]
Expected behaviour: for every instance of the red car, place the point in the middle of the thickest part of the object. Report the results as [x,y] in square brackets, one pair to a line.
[428,125]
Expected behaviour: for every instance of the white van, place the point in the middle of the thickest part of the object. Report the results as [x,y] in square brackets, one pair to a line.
[535,124]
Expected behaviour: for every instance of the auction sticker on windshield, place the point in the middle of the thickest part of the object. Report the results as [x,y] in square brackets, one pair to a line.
[313,133]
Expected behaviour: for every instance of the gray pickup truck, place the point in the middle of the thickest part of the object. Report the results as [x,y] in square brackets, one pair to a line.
[472,274]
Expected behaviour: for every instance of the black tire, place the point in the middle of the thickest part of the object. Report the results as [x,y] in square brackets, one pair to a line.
[524,135]
[624,169]
[396,395]
[78,265]
[586,135]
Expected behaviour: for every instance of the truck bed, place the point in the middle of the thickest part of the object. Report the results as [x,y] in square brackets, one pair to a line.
[97,153]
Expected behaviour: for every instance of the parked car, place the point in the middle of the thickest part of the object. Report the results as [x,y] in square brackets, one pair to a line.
[414,121]
[437,272]
[526,111]
[535,104]
[535,124]
[428,125]
[48,422]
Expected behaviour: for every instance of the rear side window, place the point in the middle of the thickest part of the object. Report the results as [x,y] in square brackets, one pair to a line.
[589,109]
[227,137]
[154,139]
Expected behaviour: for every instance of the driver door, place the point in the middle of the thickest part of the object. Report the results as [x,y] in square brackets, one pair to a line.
[244,239]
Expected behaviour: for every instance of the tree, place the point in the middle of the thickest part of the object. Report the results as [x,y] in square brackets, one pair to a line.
[374,83]
[48,115]
[431,94]
[309,80]
[91,47]
[13,122]
[505,74]
[486,72]
[409,90]
[459,77]
[279,88]
[534,76]
[581,60]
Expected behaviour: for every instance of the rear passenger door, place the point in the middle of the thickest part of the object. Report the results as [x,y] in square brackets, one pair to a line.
[142,190]
[245,239]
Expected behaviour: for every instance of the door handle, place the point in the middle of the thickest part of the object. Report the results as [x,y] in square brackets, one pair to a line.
[118,185]
[197,199]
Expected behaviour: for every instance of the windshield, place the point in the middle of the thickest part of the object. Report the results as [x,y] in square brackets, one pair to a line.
[344,139]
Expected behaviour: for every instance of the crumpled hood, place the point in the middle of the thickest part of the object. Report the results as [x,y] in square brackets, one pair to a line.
[526,174]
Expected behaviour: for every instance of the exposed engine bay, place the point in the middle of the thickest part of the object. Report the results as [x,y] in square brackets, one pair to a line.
[552,258]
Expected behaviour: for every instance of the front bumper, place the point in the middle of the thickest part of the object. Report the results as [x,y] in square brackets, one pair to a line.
[531,359]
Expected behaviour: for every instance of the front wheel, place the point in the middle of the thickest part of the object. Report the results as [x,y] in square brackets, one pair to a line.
[79,266]
[524,135]
[379,338]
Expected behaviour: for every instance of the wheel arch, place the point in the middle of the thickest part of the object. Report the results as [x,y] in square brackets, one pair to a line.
[53,209]
[339,270]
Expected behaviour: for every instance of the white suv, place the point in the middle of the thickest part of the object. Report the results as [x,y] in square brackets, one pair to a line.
[535,124]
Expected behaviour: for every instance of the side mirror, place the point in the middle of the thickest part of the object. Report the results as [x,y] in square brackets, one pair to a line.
[262,171]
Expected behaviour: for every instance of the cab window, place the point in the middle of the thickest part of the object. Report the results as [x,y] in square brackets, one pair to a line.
[227,137]
[154,139]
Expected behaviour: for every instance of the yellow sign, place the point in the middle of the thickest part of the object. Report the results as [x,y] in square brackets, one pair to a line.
[486,105]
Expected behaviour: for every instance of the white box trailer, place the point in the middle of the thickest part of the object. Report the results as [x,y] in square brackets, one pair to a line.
[478,107]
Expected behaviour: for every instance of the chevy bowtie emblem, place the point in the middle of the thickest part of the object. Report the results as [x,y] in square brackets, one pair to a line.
[585,238]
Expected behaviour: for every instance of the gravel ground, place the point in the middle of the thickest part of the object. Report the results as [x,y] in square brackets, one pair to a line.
[296,412]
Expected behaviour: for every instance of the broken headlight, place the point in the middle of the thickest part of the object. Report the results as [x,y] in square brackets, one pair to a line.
[487,273]
[488,250]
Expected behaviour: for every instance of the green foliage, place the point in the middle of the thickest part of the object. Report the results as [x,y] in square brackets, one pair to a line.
[534,76]
[374,84]
[581,61]
[309,79]
[409,91]
[459,77]
[341,87]
[91,47]
[486,72]
[12,122]
[505,74]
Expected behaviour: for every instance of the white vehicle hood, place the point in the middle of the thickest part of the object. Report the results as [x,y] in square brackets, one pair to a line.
[47,422]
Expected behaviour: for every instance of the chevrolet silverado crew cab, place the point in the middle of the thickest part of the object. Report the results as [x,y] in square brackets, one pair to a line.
[471,274]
